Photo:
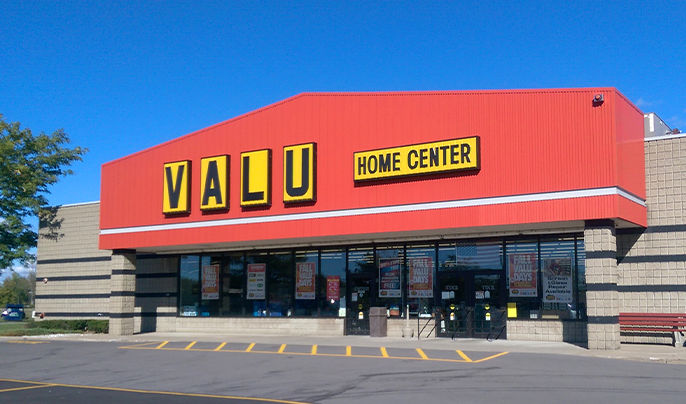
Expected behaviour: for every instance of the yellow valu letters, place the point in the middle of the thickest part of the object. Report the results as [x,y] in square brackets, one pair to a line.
[425,158]
[176,187]
[256,178]
[214,184]
[299,173]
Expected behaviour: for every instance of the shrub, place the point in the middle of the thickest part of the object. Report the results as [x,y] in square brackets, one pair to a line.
[95,326]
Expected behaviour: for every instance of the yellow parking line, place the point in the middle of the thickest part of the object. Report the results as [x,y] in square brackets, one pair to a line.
[421,353]
[161,345]
[166,393]
[314,351]
[27,342]
[27,388]
[463,356]
[491,357]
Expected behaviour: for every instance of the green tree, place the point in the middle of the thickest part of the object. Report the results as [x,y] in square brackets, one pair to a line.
[29,164]
[16,289]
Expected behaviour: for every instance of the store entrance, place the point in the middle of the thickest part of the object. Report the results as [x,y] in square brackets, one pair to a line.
[473,306]
[360,287]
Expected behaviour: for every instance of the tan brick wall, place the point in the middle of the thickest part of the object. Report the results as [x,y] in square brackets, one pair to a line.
[78,239]
[652,263]
[548,330]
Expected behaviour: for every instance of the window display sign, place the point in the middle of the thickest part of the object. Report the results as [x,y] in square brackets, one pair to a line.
[257,277]
[333,288]
[389,277]
[421,277]
[522,275]
[305,275]
[557,280]
[210,282]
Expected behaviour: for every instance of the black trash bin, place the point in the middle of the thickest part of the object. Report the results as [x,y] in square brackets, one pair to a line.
[378,324]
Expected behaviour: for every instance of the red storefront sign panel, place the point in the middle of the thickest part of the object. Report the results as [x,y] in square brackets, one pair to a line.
[546,156]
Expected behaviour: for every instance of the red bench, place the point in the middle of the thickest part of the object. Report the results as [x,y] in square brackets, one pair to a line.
[674,323]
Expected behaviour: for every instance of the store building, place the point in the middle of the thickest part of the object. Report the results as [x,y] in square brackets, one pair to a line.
[519,214]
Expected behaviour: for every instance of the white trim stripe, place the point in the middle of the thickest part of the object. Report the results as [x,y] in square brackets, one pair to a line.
[545,196]
[665,137]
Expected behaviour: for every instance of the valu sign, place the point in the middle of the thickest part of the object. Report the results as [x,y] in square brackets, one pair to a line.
[299,172]
[255,180]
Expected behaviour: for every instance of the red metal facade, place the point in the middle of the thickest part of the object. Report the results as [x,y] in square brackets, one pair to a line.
[532,142]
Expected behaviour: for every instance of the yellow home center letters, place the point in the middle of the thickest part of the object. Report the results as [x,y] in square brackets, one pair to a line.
[256,178]
[176,187]
[425,158]
[299,173]
[214,185]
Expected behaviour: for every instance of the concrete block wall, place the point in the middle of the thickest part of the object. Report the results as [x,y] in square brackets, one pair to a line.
[73,275]
[547,330]
[602,297]
[652,261]
[260,326]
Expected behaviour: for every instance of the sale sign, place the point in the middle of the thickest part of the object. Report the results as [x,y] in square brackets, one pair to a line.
[421,277]
[305,276]
[333,288]
[389,277]
[522,270]
[210,282]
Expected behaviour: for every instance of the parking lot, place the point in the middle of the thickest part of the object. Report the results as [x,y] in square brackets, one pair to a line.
[297,370]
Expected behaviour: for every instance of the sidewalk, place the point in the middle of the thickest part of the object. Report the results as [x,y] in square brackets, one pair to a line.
[652,353]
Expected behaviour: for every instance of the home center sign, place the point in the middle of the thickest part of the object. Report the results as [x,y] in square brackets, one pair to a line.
[419,159]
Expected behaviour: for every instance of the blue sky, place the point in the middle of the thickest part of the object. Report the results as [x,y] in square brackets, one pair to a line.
[120,76]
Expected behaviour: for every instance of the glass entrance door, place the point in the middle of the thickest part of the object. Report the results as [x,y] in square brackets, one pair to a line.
[357,316]
[473,305]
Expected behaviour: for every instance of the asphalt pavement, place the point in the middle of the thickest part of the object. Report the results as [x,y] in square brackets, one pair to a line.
[204,368]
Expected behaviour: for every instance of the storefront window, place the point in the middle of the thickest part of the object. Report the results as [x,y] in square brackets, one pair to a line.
[256,285]
[421,273]
[233,284]
[332,284]
[280,284]
[189,286]
[306,271]
[557,279]
[210,270]
[535,278]
[390,264]
[523,278]
[472,256]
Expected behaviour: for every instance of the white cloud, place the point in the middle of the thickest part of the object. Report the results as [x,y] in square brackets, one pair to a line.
[642,103]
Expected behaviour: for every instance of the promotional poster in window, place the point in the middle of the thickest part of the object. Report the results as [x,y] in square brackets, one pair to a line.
[557,280]
[421,277]
[522,275]
[389,277]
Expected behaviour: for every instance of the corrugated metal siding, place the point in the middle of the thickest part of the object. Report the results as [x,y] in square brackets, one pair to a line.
[531,142]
